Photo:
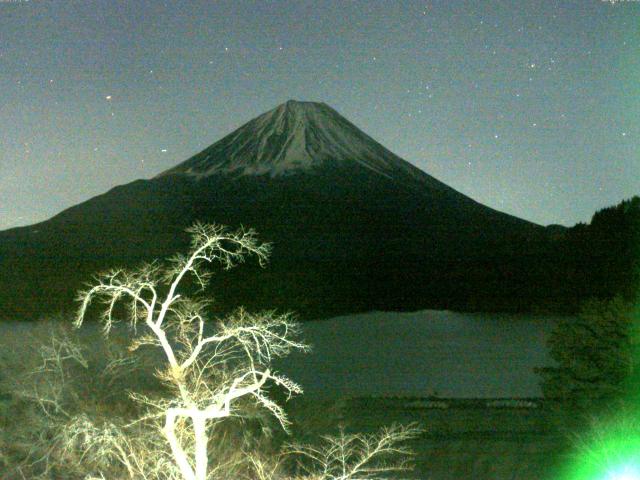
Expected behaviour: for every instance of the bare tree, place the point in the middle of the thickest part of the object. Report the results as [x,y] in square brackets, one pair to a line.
[62,394]
[357,456]
[207,372]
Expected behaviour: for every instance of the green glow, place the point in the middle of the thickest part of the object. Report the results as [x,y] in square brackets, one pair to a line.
[627,472]
[608,453]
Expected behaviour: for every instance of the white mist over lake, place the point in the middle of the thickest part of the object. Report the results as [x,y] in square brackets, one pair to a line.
[458,355]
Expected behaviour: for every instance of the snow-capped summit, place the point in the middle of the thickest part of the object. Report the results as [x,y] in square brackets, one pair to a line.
[295,136]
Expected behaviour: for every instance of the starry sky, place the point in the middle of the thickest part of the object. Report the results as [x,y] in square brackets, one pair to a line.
[529,107]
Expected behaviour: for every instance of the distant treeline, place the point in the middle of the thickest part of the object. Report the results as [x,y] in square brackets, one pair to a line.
[597,260]
[602,259]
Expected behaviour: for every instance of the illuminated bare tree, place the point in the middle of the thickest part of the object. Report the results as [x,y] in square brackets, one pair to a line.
[208,370]
[357,456]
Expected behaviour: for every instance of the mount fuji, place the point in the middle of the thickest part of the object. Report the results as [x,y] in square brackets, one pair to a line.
[354,228]
[297,137]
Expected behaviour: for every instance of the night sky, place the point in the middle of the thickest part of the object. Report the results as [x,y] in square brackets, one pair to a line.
[529,107]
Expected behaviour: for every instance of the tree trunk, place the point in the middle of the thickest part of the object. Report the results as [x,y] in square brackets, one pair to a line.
[200,432]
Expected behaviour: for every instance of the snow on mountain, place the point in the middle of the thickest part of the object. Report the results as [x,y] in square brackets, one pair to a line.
[296,136]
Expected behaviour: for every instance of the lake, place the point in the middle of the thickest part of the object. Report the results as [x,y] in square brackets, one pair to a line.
[453,355]
[456,355]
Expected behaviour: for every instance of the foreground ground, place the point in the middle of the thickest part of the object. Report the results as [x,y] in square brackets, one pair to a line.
[462,439]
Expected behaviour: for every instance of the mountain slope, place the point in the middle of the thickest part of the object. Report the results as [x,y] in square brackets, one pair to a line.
[354,227]
[298,137]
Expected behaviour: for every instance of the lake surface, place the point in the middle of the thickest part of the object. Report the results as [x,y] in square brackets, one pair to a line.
[456,355]
[450,354]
